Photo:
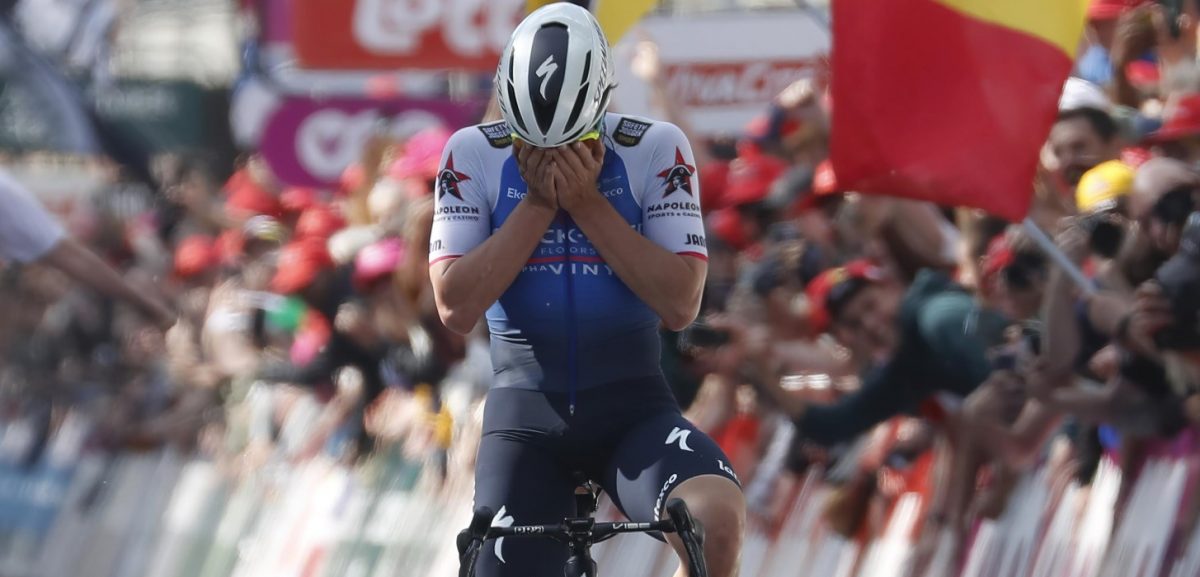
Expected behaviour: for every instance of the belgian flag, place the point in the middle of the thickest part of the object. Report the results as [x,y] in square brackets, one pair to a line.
[949,100]
[616,17]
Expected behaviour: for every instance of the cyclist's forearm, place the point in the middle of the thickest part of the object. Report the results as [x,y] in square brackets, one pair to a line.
[669,283]
[465,287]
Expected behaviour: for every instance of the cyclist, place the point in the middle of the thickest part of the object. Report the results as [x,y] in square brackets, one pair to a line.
[577,231]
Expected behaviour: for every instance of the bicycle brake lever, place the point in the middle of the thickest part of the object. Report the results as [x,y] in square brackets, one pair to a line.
[692,534]
[470,541]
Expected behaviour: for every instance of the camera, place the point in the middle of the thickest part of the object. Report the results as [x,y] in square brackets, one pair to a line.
[702,336]
[1105,233]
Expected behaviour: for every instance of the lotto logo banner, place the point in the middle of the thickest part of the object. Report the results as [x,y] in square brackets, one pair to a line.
[414,34]
[310,142]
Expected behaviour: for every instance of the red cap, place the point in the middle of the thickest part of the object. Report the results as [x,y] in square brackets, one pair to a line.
[297,199]
[320,222]
[829,284]
[247,198]
[1182,120]
[378,261]
[750,178]
[195,255]
[422,155]
[299,264]
[714,177]
[824,183]
[1135,156]
[1112,9]
[999,256]
[824,180]
[726,224]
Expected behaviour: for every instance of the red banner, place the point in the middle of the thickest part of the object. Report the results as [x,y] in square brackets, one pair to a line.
[413,34]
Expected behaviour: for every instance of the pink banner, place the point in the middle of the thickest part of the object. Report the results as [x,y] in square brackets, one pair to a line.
[310,142]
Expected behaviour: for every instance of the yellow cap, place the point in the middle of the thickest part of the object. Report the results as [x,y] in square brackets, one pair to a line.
[1101,186]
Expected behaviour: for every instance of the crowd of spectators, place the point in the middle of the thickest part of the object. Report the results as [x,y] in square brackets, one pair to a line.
[844,333]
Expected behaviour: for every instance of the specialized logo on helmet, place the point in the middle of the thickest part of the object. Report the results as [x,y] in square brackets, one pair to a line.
[546,71]
[449,178]
[678,177]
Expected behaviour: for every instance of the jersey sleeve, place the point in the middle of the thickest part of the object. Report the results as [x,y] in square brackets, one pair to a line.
[462,216]
[671,203]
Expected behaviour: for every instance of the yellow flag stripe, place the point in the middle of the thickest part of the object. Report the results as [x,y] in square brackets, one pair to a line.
[1059,22]
[616,17]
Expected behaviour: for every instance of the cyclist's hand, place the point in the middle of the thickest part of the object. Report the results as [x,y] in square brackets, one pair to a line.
[576,168]
[535,164]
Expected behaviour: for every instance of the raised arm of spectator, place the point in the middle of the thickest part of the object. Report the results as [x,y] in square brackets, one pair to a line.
[648,67]
[1063,341]
[84,266]
[29,233]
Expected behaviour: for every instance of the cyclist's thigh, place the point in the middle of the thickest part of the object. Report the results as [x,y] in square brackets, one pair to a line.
[657,455]
[516,476]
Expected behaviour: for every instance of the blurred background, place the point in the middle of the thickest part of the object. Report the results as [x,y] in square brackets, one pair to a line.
[265,169]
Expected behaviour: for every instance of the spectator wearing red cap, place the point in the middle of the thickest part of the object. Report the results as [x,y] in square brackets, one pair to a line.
[247,198]
[744,217]
[197,260]
[1013,277]
[305,268]
[1095,64]
[1179,137]
[927,342]
[319,222]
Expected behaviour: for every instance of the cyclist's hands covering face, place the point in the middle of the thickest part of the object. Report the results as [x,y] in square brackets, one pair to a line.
[535,164]
[576,168]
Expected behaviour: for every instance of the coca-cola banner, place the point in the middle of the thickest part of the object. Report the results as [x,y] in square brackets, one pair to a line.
[310,142]
[723,68]
[386,34]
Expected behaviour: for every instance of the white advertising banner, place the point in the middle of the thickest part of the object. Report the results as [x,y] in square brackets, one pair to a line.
[722,67]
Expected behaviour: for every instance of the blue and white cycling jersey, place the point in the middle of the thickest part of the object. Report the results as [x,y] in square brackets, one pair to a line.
[568,322]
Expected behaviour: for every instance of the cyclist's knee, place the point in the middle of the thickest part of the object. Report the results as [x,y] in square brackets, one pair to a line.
[719,506]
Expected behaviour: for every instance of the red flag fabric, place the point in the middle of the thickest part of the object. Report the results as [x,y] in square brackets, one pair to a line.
[948,100]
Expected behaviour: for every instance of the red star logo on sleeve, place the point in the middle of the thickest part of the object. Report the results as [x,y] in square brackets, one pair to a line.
[449,178]
[679,176]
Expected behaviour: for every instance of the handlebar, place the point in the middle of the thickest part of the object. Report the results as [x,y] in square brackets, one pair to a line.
[584,532]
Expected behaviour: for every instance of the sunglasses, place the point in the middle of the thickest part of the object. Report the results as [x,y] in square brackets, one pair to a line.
[593,134]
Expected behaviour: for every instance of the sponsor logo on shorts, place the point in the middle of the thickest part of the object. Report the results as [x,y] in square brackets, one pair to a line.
[502,520]
[694,240]
[728,470]
[662,493]
[681,435]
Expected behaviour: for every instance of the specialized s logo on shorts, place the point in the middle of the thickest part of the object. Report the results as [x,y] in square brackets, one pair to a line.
[629,132]
[501,520]
[679,176]
[681,435]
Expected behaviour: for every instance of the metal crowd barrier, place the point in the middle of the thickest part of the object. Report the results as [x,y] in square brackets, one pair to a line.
[160,514]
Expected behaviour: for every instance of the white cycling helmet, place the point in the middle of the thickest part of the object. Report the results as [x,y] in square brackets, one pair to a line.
[555,76]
